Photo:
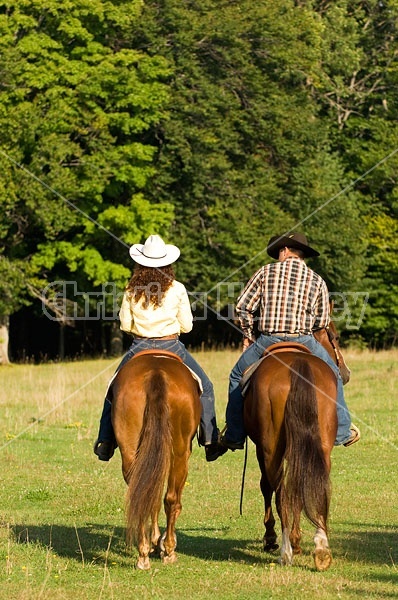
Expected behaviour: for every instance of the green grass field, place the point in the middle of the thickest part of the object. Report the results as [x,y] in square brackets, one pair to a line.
[62,510]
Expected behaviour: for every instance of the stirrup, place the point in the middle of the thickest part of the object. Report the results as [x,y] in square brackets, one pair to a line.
[224,443]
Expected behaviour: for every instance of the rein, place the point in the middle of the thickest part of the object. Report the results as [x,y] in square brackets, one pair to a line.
[243,479]
[332,338]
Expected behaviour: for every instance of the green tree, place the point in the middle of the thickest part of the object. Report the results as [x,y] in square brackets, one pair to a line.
[381,316]
[247,152]
[76,104]
[225,122]
[357,94]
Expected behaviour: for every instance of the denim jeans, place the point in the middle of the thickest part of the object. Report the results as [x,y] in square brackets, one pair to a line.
[208,423]
[234,412]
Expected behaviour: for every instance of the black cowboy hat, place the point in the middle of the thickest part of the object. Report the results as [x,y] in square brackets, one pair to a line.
[292,240]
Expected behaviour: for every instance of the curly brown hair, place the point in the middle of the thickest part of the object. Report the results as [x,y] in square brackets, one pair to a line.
[150,283]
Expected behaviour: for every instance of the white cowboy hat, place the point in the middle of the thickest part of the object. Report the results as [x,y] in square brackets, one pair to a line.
[154,253]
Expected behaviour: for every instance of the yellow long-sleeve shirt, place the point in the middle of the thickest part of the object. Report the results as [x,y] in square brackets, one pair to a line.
[173,316]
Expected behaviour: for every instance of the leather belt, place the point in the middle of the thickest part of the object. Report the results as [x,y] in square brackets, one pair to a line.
[286,333]
[165,337]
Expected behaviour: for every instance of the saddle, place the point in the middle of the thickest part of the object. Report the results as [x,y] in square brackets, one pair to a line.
[273,349]
[159,353]
[172,355]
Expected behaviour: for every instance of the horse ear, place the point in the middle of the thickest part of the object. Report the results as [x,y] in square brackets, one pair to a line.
[331,305]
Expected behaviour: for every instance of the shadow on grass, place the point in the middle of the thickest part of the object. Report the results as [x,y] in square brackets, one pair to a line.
[91,543]
[84,544]
[369,543]
[373,546]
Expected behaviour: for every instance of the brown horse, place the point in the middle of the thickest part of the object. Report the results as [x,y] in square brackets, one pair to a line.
[155,414]
[290,415]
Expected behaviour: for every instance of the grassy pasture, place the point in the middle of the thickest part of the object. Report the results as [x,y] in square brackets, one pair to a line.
[62,510]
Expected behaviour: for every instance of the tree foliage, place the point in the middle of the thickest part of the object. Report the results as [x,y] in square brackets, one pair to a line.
[218,124]
[247,153]
[76,104]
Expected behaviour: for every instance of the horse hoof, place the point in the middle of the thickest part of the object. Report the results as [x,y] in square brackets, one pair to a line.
[271,547]
[286,560]
[143,564]
[169,559]
[322,559]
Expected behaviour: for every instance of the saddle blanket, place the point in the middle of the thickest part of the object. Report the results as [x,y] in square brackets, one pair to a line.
[245,381]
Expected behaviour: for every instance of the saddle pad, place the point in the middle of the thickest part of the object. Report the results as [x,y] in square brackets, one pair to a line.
[244,382]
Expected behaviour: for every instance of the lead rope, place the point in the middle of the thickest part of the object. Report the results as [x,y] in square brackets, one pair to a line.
[243,478]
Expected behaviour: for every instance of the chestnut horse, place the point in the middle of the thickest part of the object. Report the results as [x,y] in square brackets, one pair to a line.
[155,414]
[290,415]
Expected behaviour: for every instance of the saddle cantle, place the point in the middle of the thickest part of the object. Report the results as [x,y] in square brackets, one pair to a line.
[159,353]
[285,347]
[172,355]
[273,349]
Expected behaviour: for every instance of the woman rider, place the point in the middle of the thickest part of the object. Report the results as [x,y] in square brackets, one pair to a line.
[155,310]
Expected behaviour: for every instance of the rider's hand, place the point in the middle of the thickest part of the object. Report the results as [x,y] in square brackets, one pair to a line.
[246,344]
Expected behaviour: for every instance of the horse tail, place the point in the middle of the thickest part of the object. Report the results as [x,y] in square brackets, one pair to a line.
[148,472]
[305,484]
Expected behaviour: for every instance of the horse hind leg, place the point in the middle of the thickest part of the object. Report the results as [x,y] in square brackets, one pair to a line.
[322,553]
[286,557]
[168,541]
[270,538]
[155,533]
[172,505]
[144,548]
[295,534]
[168,556]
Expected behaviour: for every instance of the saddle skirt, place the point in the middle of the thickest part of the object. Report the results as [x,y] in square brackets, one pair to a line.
[273,349]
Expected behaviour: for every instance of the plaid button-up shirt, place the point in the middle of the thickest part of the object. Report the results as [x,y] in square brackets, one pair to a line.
[290,297]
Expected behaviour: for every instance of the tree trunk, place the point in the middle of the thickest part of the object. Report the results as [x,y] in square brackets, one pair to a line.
[116,342]
[4,336]
[61,342]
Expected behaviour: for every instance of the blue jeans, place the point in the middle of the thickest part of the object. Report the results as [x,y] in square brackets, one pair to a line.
[208,424]
[234,412]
